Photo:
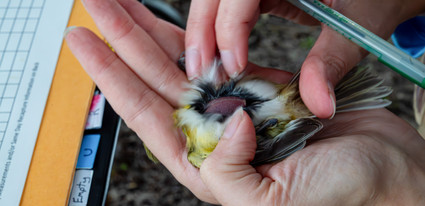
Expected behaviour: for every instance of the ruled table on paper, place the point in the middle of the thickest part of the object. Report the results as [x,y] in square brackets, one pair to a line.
[31,34]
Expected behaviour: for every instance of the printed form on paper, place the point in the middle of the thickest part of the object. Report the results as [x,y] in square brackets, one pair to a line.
[31,33]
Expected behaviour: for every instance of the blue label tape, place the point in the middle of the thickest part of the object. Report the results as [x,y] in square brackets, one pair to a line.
[88,151]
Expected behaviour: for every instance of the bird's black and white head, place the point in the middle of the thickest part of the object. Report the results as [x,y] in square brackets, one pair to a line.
[213,98]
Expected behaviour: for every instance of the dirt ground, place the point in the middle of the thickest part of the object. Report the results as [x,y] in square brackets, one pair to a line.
[274,42]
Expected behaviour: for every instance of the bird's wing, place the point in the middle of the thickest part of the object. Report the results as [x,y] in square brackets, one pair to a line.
[287,142]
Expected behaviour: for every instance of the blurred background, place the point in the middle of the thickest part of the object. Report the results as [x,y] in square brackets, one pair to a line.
[274,42]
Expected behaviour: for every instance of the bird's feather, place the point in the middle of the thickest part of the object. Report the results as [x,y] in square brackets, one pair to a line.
[291,139]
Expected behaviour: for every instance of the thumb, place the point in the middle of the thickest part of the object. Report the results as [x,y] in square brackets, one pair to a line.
[227,172]
[329,60]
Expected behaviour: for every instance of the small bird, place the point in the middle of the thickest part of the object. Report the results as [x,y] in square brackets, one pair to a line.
[282,122]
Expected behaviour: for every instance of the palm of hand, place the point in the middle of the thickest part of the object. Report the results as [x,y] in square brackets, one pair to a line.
[354,151]
[334,167]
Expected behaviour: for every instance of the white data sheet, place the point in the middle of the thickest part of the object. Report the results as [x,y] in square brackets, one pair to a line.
[31,33]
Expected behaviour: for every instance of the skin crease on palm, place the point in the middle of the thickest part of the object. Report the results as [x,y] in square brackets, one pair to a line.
[370,157]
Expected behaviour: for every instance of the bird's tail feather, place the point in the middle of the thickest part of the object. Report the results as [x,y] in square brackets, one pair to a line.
[360,89]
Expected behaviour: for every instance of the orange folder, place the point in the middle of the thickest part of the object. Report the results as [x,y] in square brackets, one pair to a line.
[56,151]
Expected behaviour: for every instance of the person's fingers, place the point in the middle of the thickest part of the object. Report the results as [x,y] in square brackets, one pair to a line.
[129,96]
[141,108]
[227,172]
[137,49]
[235,20]
[333,55]
[168,36]
[323,68]
[200,36]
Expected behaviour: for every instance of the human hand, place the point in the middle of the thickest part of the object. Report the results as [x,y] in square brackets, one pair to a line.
[141,80]
[227,24]
[359,158]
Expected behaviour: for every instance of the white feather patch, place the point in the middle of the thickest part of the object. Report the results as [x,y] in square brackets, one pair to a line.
[261,88]
[270,109]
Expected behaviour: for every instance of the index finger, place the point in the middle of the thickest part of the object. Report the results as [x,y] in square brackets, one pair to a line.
[235,20]
[200,36]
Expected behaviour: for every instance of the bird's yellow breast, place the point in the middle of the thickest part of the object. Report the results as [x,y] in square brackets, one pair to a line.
[199,145]
[199,142]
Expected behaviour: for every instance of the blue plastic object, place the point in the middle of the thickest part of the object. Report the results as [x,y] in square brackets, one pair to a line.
[410,36]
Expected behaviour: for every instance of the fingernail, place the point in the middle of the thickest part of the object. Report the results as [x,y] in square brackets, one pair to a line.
[67,30]
[233,125]
[230,64]
[333,100]
[193,63]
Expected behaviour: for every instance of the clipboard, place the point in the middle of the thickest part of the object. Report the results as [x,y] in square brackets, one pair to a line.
[56,151]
